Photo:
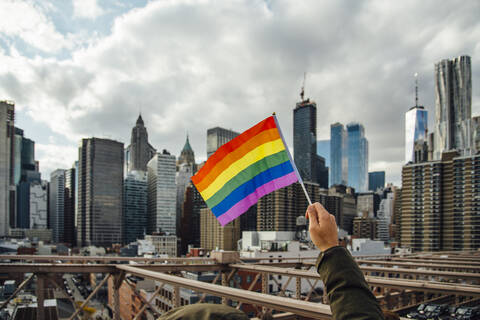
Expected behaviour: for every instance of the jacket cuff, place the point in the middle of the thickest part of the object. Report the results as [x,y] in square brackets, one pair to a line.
[324,256]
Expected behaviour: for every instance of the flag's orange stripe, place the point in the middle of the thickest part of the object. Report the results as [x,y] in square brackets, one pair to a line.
[227,148]
[260,139]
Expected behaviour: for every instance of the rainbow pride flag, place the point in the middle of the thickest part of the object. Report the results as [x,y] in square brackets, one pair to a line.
[245,169]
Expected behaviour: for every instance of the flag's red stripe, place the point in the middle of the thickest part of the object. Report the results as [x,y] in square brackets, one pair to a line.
[237,154]
[231,146]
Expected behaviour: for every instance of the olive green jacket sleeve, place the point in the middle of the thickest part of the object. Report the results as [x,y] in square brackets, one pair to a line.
[349,295]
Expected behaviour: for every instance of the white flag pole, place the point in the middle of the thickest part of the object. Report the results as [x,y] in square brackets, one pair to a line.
[291,160]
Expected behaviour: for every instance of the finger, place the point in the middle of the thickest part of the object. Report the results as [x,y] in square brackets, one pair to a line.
[312,214]
[321,211]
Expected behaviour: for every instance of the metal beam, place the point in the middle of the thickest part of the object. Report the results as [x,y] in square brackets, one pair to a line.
[144,301]
[148,302]
[416,265]
[89,297]
[101,268]
[426,286]
[101,258]
[14,294]
[40,292]
[306,309]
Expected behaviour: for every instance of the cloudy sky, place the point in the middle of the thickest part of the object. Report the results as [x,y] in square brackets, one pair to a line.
[87,68]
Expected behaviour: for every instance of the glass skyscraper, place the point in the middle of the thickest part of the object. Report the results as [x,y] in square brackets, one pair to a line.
[305,140]
[357,157]
[135,206]
[416,126]
[376,180]
[453,106]
[338,154]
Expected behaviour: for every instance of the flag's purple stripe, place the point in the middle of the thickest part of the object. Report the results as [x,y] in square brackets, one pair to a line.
[244,204]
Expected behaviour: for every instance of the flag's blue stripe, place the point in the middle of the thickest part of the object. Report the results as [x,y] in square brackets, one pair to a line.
[250,186]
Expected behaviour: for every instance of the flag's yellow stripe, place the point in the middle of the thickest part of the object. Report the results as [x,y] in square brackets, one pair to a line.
[238,166]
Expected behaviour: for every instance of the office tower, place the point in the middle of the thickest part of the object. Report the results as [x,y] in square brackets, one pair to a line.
[453,106]
[7,151]
[384,216]
[416,126]
[162,194]
[365,227]
[278,211]
[476,134]
[357,157]
[25,174]
[322,171]
[185,169]
[135,206]
[186,155]
[440,206]
[305,139]
[57,204]
[190,219]
[323,150]
[368,202]
[213,236]
[70,200]
[216,137]
[100,192]
[376,180]
[397,214]
[338,155]
[342,204]
[38,205]
[139,152]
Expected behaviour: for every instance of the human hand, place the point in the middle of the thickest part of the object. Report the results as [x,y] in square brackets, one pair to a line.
[323,228]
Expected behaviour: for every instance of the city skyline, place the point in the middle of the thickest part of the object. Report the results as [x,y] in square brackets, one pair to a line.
[71,83]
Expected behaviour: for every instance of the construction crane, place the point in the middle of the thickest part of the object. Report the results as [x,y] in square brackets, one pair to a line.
[302,93]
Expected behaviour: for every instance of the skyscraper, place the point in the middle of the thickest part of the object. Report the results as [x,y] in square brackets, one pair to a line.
[338,155]
[440,204]
[357,157]
[279,210]
[416,126]
[305,139]
[453,106]
[25,173]
[38,205]
[186,155]
[376,180]
[162,194]
[69,206]
[100,192]
[57,204]
[476,133]
[139,152]
[216,137]
[135,206]
[7,187]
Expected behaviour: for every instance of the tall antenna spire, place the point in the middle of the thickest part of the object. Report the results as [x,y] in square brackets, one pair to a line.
[416,89]
[302,93]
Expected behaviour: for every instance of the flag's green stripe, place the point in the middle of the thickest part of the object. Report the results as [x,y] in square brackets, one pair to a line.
[247,174]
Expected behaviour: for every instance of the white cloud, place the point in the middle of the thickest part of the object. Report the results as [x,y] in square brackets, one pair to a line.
[27,22]
[89,9]
[193,65]
[53,156]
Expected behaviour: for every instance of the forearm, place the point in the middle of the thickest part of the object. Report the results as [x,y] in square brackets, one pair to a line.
[348,292]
